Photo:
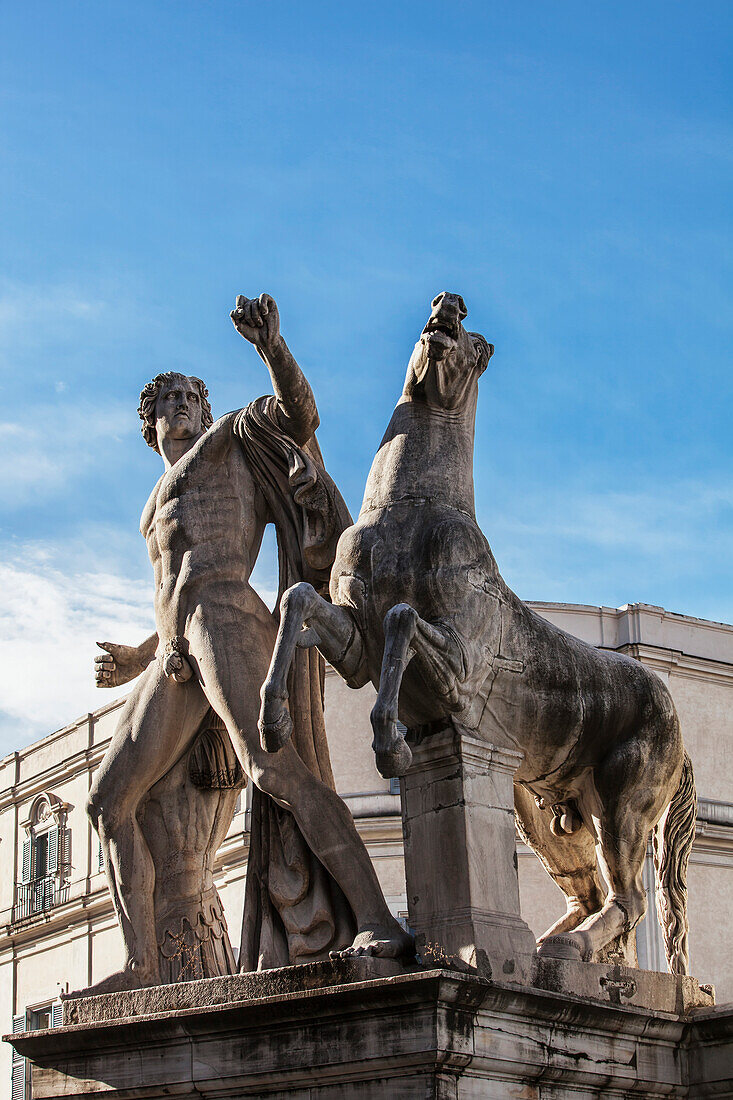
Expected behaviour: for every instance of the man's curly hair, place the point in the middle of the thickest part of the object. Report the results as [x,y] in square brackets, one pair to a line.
[149,395]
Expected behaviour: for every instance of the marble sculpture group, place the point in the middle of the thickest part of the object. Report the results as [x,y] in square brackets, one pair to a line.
[410,598]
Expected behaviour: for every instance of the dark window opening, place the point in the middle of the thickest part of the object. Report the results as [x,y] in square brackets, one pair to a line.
[41,854]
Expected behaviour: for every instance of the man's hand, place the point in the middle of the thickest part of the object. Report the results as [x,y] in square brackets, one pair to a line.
[258,320]
[117,665]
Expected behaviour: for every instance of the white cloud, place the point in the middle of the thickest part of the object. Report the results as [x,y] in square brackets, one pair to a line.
[654,520]
[660,545]
[264,574]
[55,348]
[49,623]
[53,613]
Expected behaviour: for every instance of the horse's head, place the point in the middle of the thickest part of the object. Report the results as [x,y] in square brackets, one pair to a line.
[447,360]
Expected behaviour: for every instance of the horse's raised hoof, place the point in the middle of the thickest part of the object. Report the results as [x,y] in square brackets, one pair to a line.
[275,735]
[391,763]
[561,947]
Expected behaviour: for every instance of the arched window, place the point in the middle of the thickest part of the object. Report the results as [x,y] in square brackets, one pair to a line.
[45,858]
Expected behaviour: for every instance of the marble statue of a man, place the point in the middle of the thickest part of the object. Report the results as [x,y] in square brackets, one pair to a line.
[203,524]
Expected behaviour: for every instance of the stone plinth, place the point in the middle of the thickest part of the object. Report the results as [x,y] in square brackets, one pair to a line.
[233,988]
[610,983]
[461,856]
[426,1034]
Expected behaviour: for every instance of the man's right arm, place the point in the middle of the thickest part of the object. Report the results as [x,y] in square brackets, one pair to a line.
[121,663]
[258,320]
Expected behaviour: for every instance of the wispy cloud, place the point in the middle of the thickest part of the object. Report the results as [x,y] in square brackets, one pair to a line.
[659,544]
[57,603]
[686,140]
[660,520]
[31,314]
[264,574]
[49,445]
[50,620]
[57,407]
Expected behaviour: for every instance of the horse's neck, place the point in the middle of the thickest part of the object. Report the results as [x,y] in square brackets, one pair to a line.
[426,454]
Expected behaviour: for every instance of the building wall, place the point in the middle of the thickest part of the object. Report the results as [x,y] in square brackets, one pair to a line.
[76,941]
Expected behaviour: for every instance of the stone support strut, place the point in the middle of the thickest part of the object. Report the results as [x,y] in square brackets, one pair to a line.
[460,854]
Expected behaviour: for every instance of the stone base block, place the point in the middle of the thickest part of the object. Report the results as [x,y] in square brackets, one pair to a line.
[260,985]
[612,984]
[458,803]
[411,1036]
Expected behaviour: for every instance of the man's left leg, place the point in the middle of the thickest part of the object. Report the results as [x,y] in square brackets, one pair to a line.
[232,665]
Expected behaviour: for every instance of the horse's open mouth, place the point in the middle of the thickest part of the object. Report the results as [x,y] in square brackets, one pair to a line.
[440,332]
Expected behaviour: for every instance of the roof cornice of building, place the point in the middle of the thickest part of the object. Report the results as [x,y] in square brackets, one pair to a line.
[84,720]
[644,625]
[36,783]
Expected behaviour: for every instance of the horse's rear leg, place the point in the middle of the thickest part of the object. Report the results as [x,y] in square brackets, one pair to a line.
[569,860]
[624,803]
[306,620]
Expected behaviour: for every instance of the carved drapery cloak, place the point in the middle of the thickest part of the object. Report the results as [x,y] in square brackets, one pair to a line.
[294,911]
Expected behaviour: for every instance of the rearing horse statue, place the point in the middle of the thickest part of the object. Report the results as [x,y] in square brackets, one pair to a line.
[420,609]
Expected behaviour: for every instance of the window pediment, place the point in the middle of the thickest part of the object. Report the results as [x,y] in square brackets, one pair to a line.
[47,810]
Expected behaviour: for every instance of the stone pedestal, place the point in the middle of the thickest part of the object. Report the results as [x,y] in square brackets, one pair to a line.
[461,856]
[342,1032]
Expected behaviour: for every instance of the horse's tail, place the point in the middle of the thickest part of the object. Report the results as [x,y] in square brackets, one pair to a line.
[671,845]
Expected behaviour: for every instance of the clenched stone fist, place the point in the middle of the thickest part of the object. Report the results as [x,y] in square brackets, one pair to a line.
[258,320]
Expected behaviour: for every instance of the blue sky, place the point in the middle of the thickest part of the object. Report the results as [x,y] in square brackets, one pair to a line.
[566,167]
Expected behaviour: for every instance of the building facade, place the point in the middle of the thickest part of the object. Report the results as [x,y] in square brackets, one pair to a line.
[58,930]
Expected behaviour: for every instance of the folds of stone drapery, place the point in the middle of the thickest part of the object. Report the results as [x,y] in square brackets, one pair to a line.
[294,910]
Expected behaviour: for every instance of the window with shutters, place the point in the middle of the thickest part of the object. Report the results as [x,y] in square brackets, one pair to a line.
[33,1019]
[41,852]
[46,859]
[19,1069]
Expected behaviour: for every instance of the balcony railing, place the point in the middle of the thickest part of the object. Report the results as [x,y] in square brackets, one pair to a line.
[38,896]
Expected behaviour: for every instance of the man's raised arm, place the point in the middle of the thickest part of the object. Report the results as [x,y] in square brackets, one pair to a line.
[258,320]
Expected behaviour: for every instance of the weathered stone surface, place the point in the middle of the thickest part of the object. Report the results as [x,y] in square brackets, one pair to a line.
[311,886]
[460,854]
[611,983]
[231,989]
[423,1035]
[420,609]
[709,1050]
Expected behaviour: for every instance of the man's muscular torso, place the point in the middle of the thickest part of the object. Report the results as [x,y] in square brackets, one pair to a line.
[203,524]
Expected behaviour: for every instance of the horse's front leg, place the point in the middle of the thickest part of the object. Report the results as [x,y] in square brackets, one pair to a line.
[406,635]
[393,756]
[306,620]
